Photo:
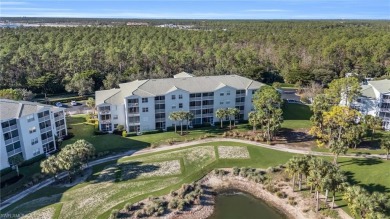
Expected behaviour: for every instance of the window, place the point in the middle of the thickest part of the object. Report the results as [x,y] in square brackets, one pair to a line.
[180,96]
[34,141]
[173,106]
[228,93]
[227,101]
[254,91]
[30,118]
[180,105]
[221,94]
[37,152]
[32,130]
[144,100]
[173,97]
[145,109]
[115,126]
[115,116]
[133,102]
[221,102]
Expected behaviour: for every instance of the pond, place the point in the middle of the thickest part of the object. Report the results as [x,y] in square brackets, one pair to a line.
[235,204]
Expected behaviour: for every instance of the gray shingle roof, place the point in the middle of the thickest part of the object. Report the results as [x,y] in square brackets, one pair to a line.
[368,91]
[383,86]
[15,109]
[157,87]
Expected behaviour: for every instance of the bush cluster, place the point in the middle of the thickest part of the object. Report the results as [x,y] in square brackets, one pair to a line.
[253,174]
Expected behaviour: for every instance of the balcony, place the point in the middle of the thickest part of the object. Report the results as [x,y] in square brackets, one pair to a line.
[47,140]
[160,111]
[159,102]
[384,109]
[57,118]
[60,127]
[195,107]
[195,98]
[160,120]
[208,98]
[385,100]
[207,115]
[11,140]
[104,112]
[45,118]
[133,113]
[240,95]
[107,121]
[10,128]
[46,129]
[16,151]
[240,103]
[385,119]
[208,106]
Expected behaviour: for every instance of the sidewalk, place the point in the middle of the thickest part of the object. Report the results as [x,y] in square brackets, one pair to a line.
[278,147]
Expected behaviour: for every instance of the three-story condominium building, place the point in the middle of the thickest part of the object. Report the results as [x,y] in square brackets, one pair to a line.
[28,129]
[375,100]
[146,104]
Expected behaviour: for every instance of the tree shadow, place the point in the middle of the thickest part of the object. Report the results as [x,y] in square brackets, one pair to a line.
[361,162]
[292,136]
[123,171]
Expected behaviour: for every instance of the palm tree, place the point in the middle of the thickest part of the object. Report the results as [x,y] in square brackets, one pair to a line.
[303,168]
[181,116]
[174,117]
[253,119]
[189,117]
[315,181]
[385,145]
[67,160]
[358,201]
[221,114]
[292,168]
[232,113]
[335,181]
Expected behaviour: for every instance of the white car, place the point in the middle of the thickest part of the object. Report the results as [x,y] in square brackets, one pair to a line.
[73,103]
[58,104]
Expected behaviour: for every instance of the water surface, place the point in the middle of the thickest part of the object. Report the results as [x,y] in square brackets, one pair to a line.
[237,205]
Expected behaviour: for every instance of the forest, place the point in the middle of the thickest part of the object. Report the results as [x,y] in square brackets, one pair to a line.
[58,59]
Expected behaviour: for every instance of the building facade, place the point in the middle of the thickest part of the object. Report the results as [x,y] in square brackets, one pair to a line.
[375,101]
[144,105]
[28,129]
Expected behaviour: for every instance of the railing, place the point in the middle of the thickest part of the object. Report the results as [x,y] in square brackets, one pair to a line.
[385,100]
[11,140]
[208,115]
[133,113]
[195,107]
[57,118]
[386,119]
[49,139]
[240,103]
[10,128]
[208,106]
[132,104]
[195,98]
[160,120]
[60,127]
[208,98]
[160,111]
[105,121]
[44,118]
[159,101]
[46,129]
[104,112]
[16,151]
[240,95]
[384,109]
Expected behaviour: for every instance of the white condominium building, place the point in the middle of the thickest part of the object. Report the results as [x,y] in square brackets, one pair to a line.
[146,104]
[28,129]
[375,100]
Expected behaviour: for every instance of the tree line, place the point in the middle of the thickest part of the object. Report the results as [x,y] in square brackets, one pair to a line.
[84,59]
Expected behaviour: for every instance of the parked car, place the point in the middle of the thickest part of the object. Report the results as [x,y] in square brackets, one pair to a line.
[293,101]
[58,104]
[73,103]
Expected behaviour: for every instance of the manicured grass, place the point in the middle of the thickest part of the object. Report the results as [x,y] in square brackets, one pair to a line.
[96,197]
[296,116]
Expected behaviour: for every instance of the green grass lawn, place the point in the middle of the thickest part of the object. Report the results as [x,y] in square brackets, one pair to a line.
[105,190]
[296,116]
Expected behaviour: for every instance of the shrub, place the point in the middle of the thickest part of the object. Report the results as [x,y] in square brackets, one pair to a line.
[173,204]
[124,134]
[181,204]
[114,213]
[281,194]
[120,127]
[128,206]
[236,171]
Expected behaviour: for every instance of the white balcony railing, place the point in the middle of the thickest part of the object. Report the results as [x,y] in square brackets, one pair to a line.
[60,127]
[160,111]
[10,128]
[208,115]
[57,118]
[159,101]
[11,140]
[45,118]
[13,152]
[195,98]
[240,95]
[44,130]
[195,107]
[384,109]
[49,139]
[105,121]
[208,98]
[160,120]
[104,112]
[385,100]
[240,103]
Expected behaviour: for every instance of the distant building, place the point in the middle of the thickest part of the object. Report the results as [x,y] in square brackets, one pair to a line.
[375,100]
[137,24]
[29,129]
[146,104]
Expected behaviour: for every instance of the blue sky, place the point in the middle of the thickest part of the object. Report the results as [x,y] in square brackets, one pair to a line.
[200,9]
